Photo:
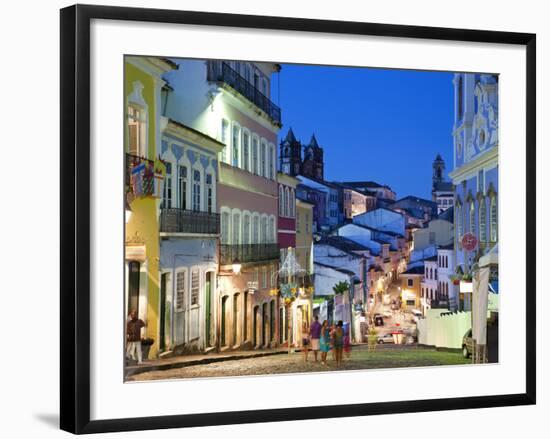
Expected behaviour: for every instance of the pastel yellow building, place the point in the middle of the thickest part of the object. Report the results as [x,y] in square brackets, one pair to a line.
[144,175]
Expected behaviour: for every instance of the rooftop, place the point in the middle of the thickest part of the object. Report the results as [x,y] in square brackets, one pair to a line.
[341,270]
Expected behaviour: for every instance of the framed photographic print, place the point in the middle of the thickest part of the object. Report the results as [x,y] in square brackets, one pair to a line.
[286,218]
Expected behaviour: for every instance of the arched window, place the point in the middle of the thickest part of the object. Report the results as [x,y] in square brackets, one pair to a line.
[291,204]
[255,229]
[271,234]
[225,227]
[281,200]
[236,238]
[493,212]
[236,145]
[472,219]
[273,161]
[287,202]
[255,155]
[263,160]
[246,229]
[459,228]
[263,230]
[482,220]
[246,150]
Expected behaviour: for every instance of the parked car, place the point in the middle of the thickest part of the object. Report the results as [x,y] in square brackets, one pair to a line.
[467,344]
[386,338]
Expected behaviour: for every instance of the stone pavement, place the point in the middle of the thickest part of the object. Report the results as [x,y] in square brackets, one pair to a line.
[198,359]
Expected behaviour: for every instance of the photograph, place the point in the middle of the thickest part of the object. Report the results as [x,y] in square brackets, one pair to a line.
[286,218]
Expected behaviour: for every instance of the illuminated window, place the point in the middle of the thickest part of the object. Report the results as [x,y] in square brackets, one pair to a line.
[137,142]
[225,140]
[182,187]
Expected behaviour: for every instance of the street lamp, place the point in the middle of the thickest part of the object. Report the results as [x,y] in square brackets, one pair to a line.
[236,266]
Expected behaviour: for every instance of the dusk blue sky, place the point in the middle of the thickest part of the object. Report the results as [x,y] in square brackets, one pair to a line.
[373,124]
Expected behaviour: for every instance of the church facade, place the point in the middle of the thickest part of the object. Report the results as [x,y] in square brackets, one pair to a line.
[293,161]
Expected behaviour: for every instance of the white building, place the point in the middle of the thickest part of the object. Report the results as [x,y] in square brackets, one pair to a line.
[445,271]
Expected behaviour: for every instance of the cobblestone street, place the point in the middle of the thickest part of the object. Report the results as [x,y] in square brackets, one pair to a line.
[383,357]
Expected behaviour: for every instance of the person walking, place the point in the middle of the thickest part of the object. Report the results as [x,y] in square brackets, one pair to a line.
[324,342]
[338,342]
[133,337]
[305,340]
[315,336]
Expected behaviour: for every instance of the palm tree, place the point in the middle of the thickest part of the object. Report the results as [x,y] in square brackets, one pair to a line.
[340,288]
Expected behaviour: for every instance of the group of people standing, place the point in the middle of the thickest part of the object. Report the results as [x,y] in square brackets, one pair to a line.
[325,337]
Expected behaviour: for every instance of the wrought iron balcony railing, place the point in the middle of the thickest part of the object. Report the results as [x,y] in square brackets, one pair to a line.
[245,253]
[220,71]
[189,221]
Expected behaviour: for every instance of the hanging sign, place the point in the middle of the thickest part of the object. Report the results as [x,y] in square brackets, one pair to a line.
[469,241]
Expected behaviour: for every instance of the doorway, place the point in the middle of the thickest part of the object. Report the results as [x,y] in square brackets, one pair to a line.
[208,310]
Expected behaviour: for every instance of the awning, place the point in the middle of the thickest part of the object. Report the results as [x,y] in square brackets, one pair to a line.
[491,258]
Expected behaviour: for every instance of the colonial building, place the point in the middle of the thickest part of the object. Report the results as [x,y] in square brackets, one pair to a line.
[442,190]
[144,174]
[231,102]
[384,194]
[189,233]
[290,157]
[475,174]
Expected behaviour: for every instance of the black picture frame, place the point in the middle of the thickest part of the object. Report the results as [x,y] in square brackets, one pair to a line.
[75,217]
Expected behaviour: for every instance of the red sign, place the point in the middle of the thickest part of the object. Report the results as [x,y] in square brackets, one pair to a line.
[469,241]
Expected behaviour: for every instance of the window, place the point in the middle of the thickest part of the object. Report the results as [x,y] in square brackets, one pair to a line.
[246,151]
[225,140]
[272,238]
[255,168]
[235,146]
[264,277]
[182,185]
[298,226]
[472,217]
[180,289]
[272,161]
[136,132]
[195,287]
[291,204]
[281,201]
[236,228]
[196,190]
[264,87]
[286,207]
[494,219]
[209,194]
[409,282]
[263,230]
[307,222]
[225,226]
[255,229]
[263,154]
[167,198]
[246,228]
[482,220]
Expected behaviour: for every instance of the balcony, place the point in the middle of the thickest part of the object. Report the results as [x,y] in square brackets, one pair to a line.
[247,253]
[189,221]
[219,71]
[142,179]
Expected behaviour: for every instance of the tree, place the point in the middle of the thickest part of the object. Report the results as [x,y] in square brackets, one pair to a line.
[340,288]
